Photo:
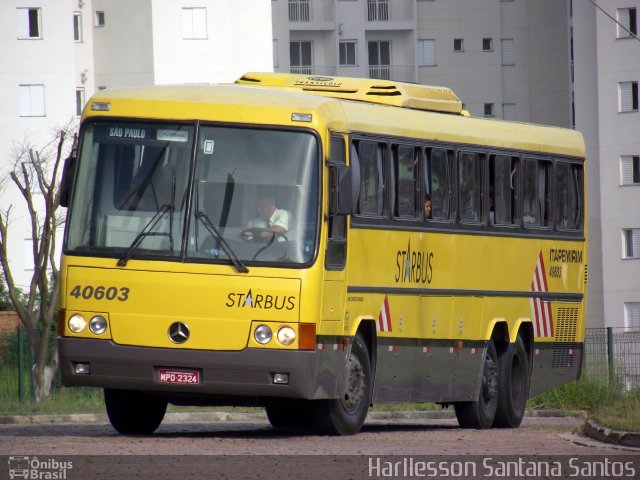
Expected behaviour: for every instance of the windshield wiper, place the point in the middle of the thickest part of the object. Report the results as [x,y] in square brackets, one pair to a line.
[240,267]
[145,232]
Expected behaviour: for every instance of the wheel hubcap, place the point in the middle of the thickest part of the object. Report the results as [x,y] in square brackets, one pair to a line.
[354,390]
[489,379]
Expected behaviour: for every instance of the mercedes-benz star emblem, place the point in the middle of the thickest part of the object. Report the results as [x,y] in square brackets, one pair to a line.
[178,332]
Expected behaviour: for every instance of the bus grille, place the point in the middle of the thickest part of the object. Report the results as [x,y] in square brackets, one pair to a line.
[565,345]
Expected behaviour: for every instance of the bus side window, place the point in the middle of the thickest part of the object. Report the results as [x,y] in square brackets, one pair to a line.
[469,187]
[536,193]
[371,200]
[503,170]
[568,195]
[404,166]
[437,183]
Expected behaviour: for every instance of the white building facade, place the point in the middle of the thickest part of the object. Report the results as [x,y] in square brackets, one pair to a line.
[606,78]
[55,55]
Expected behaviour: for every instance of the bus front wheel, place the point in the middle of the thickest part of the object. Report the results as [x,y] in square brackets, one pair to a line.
[481,412]
[297,415]
[513,367]
[345,415]
[134,413]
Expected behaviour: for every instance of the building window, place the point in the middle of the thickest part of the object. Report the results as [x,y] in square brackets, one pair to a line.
[426,53]
[509,111]
[77,26]
[100,19]
[378,10]
[628,96]
[31,98]
[300,57]
[487,44]
[347,53]
[630,167]
[27,254]
[458,45]
[194,23]
[380,59]
[28,26]
[627,22]
[632,316]
[79,101]
[298,10]
[631,239]
[507,52]
[488,110]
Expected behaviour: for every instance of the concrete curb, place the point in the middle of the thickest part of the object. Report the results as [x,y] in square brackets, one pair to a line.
[191,417]
[595,431]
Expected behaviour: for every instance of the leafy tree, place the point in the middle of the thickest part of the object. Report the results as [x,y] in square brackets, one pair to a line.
[36,174]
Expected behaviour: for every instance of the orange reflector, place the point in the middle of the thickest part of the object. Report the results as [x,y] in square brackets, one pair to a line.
[61,316]
[307,336]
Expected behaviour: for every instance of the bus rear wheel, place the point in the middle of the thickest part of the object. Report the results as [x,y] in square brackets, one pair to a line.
[345,415]
[513,367]
[134,413]
[481,412]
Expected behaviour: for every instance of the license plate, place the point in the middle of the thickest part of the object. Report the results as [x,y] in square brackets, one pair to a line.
[183,377]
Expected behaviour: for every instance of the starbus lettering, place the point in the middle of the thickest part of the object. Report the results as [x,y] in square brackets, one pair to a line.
[263,302]
[413,266]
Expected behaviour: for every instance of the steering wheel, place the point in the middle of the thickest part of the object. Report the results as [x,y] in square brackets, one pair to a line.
[254,235]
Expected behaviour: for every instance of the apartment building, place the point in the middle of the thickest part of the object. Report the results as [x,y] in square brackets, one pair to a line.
[54,55]
[505,59]
[606,58]
[557,62]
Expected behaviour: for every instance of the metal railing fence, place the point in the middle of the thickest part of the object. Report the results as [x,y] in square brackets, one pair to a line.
[612,355]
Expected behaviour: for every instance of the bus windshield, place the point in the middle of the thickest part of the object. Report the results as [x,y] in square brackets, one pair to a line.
[247,196]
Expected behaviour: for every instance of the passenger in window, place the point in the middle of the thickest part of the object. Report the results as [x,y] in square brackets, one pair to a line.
[427,207]
[270,222]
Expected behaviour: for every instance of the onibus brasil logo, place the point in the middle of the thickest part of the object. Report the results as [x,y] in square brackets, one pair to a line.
[40,469]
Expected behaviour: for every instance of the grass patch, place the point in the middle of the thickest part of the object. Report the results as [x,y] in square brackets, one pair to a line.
[621,414]
[584,394]
[61,401]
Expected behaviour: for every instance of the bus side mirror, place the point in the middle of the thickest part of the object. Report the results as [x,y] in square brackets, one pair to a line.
[341,200]
[68,173]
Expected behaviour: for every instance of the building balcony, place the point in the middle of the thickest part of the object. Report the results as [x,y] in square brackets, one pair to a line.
[312,15]
[390,14]
[398,73]
[314,70]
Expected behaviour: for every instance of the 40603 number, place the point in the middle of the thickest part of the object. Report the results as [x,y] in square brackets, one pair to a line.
[100,293]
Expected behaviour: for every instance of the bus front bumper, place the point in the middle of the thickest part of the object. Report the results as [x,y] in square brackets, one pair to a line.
[236,375]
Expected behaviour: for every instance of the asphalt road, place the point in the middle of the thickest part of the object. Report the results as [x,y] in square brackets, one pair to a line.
[252,449]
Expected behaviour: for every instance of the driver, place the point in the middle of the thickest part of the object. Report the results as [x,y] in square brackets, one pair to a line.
[271,219]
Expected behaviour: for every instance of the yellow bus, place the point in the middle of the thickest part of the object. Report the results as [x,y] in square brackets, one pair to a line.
[317,245]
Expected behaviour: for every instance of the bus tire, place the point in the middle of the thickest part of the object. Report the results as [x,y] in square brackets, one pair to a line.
[290,416]
[134,413]
[481,412]
[513,368]
[345,415]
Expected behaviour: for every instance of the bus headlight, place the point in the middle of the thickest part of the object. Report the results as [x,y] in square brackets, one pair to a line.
[263,334]
[98,325]
[286,335]
[77,323]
